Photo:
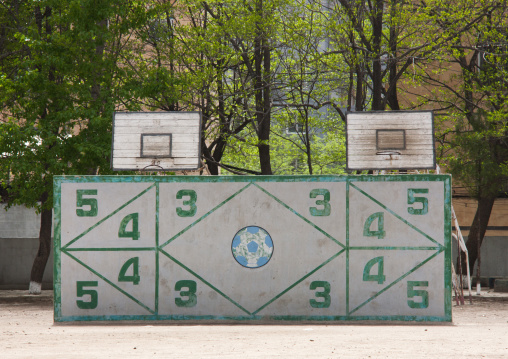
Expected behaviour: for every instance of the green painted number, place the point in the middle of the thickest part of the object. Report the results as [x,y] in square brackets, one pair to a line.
[134,278]
[380,232]
[325,211]
[411,199]
[379,276]
[81,291]
[190,293]
[133,233]
[91,202]
[325,294]
[191,202]
[411,293]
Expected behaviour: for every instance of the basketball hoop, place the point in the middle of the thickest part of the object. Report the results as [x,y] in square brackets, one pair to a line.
[156,141]
[390,140]
[394,155]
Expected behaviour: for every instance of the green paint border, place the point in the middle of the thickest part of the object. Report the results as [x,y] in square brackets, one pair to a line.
[157,253]
[347,247]
[445,179]
[447,184]
[57,261]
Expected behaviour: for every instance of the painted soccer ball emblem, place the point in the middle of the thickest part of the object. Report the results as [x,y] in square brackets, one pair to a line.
[252,247]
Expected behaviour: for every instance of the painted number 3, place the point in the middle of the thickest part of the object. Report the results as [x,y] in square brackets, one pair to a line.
[324,203]
[189,201]
[324,294]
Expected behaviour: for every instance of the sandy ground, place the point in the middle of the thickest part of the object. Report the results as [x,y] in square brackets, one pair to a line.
[27,331]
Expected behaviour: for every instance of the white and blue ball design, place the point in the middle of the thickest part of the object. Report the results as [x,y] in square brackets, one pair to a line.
[252,247]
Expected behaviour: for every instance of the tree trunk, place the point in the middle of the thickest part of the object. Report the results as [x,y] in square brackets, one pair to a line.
[262,63]
[377,73]
[478,229]
[41,259]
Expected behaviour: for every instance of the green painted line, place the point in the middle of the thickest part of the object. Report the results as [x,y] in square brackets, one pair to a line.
[200,179]
[299,215]
[399,178]
[347,247]
[405,318]
[397,216]
[204,216]
[448,250]
[110,283]
[122,249]
[397,248]
[297,282]
[157,207]
[203,280]
[109,216]
[262,178]
[272,319]
[396,281]
[57,261]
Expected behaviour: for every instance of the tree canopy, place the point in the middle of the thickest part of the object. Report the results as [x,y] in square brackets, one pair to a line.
[273,80]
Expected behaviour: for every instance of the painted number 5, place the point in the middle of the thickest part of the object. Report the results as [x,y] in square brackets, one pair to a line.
[411,199]
[91,203]
[82,292]
[412,293]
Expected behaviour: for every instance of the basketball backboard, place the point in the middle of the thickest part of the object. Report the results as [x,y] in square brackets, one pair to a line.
[156,141]
[384,140]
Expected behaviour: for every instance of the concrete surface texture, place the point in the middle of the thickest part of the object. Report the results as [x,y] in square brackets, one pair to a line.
[27,330]
[243,247]
[19,242]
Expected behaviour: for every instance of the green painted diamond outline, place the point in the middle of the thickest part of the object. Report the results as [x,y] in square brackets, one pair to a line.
[188,269]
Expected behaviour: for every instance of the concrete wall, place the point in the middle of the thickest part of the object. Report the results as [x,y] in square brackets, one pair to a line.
[19,242]
[494,257]
[19,232]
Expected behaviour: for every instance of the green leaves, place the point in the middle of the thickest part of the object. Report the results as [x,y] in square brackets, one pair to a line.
[59,89]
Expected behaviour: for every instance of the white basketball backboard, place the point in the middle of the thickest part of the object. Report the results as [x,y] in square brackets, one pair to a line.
[390,140]
[156,141]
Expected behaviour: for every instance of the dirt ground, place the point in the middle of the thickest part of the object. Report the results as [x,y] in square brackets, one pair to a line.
[478,331]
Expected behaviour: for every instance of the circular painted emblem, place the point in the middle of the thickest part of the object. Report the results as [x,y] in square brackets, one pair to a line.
[252,247]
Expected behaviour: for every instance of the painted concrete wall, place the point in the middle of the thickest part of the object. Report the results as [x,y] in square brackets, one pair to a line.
[19,242]
[253,247]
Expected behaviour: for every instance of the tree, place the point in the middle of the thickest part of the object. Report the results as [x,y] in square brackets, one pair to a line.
[472,103]
[302,92]
[58,73]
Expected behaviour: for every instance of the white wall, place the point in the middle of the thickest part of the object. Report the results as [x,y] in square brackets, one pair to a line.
[19,242]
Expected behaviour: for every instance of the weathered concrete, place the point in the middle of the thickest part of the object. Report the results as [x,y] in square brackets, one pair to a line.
[16,258]
[501,285]
[19,222]
[494,255]
[19,233]
[253,248]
